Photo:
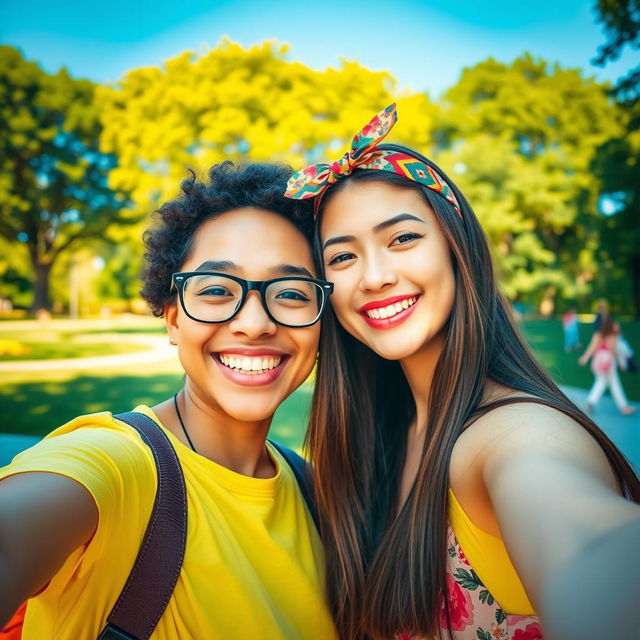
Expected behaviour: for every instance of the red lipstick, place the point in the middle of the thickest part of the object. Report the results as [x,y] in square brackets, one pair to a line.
[393,321]
[378,304]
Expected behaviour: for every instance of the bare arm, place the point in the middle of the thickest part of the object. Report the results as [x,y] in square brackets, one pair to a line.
[590,350]
[615,616]
[44,517]
[560,516]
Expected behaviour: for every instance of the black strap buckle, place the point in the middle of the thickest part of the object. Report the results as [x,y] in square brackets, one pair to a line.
[111,632]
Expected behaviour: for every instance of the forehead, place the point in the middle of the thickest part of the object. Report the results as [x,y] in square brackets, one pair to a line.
[358,206]
[254,239]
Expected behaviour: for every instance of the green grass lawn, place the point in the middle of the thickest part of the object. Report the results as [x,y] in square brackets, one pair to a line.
[35,407]
[51,343]
[37,402]
[30,350]
[547,341]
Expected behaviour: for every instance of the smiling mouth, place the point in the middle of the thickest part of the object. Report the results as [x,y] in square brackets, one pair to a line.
[247,365]
[390,310]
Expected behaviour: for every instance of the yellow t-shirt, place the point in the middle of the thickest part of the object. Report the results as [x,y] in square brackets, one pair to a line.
[253,562]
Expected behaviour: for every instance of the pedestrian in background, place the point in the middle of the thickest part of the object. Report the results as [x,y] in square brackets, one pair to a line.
[570,328]
[603,351]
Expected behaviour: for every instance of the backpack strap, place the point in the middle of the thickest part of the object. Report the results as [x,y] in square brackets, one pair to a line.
[302,471]
[155,572]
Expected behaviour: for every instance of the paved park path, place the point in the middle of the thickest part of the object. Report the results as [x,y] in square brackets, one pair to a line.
[156,349]
[624,431]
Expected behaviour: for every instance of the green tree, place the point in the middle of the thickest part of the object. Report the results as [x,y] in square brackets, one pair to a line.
[621,21]
[15,283]
[53,177]
[617,161]
[239,104]
[617,167]
[522,137]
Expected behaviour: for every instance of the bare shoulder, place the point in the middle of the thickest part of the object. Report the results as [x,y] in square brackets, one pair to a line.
[533,429]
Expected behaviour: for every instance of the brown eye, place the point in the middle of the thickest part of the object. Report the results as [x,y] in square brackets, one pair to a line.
[406,237]
[341,257]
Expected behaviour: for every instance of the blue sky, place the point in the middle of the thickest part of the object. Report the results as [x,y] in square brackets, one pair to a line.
[424,44]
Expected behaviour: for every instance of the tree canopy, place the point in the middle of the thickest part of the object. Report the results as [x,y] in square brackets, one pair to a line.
[237,104]
[534,146]
[621,21]
[53,176]
[522,137]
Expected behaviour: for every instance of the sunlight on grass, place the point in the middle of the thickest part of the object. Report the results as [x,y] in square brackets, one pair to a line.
[40,410]
[54,389]
[61,339]
[93,407]
[35,402]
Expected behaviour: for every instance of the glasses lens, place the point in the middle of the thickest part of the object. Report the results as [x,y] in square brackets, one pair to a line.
[211,298]
[294,302]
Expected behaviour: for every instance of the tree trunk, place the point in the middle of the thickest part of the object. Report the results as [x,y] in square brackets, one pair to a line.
[41,298]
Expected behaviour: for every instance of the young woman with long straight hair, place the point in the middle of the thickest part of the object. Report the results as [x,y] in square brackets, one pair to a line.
[461,494]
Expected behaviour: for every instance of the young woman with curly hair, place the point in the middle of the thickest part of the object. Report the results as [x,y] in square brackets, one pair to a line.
[229,266]
[460,493]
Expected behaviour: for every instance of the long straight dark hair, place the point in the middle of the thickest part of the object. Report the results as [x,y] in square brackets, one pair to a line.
[386,573]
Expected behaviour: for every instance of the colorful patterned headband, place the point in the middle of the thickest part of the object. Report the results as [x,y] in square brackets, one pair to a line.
[313,180]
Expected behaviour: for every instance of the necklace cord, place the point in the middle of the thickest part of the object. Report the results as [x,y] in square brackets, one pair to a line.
[186,433]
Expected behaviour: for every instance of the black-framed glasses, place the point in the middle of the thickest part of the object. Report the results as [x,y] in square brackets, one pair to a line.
[212,297]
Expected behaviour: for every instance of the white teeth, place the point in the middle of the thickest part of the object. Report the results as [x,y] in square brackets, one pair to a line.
[250,365]
[392,309]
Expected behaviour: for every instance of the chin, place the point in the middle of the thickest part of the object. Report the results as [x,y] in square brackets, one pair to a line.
[242,412]
[394,353]
[394,347]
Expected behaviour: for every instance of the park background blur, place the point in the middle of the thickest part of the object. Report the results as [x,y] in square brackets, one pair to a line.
[546,152]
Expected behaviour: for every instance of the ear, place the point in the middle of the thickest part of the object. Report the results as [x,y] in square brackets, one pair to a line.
[171,321]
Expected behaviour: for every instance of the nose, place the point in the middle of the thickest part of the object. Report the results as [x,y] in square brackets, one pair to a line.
[377,273]
[252,320]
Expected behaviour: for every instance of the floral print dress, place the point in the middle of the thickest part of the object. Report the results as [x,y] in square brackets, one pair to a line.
[473,611]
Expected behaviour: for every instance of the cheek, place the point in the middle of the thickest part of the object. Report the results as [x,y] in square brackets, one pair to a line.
[342,299]
[307,342]
[444,276]
[196,333]
[434,266]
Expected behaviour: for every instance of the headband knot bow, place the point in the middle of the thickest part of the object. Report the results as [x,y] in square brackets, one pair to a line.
[313,181]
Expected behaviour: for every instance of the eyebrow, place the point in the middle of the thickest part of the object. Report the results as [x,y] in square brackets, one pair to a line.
[227,265]
[381,226]
[293,270]
[216,265]
[401,217]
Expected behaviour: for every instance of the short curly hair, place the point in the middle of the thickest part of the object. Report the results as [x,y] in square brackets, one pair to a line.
[168,241]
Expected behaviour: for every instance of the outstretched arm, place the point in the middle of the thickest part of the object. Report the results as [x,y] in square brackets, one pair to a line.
[44,517]
[562,520]
[581,581]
